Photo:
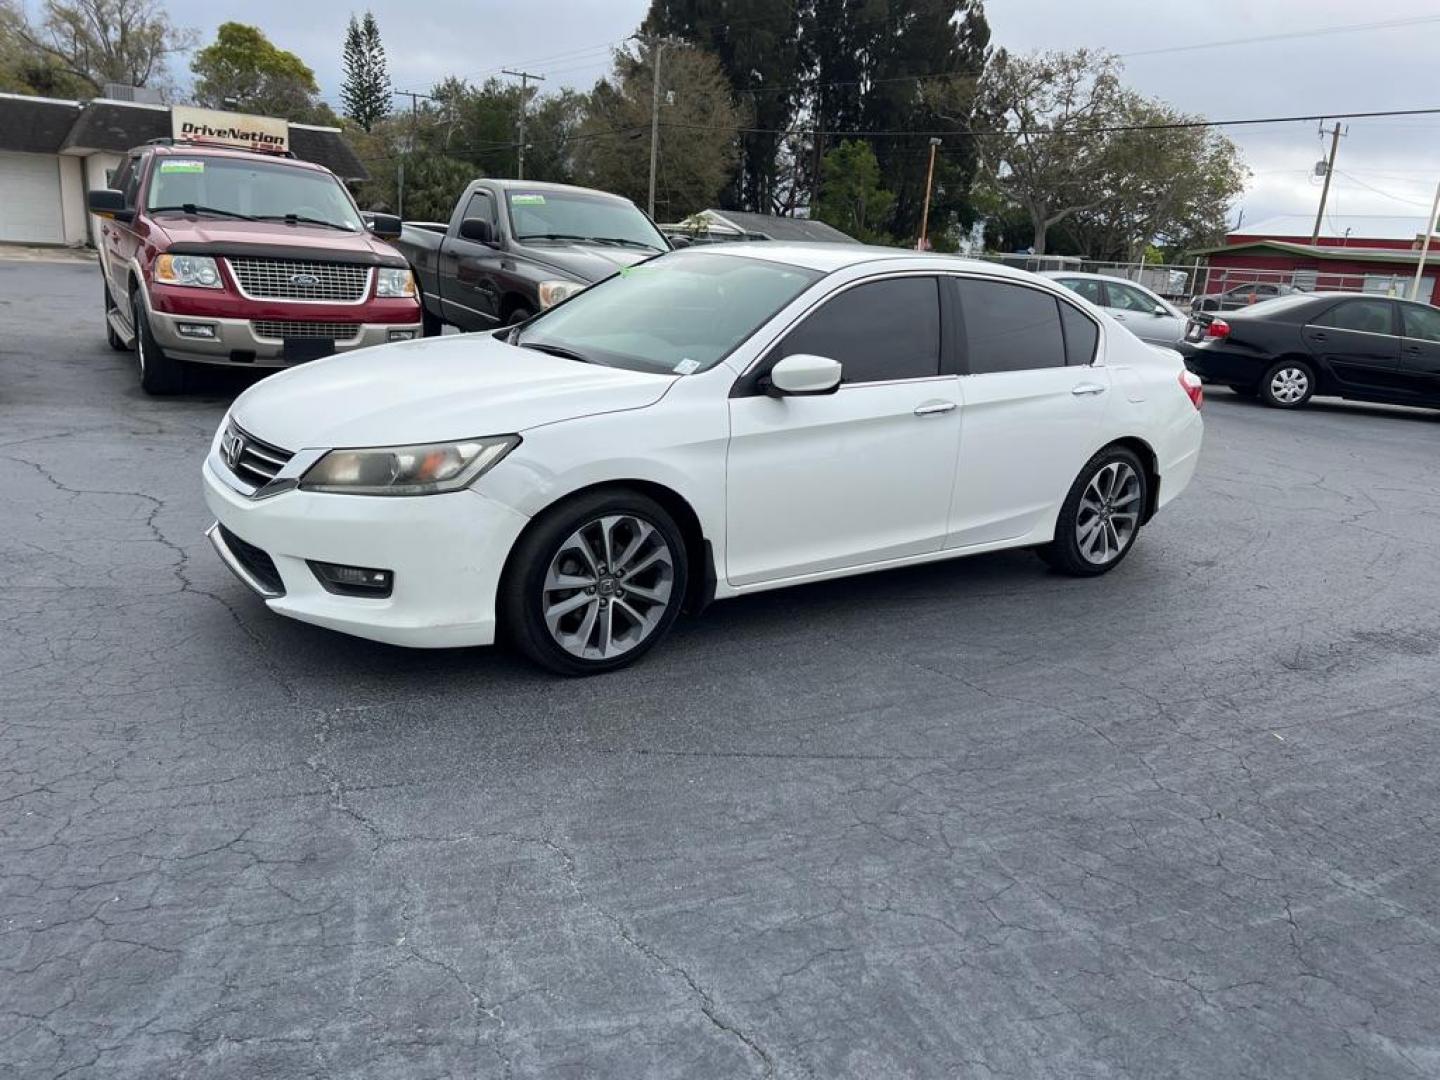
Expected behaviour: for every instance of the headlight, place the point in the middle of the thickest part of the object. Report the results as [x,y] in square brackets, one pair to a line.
[552,292]
[407,470]
[197,270]
[394,281]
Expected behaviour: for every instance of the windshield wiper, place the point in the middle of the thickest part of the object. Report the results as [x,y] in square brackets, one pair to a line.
[558,350]
[588,239]
[300,219]
[193,208]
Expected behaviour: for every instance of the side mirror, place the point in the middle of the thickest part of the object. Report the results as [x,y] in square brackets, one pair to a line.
[385,226]
[477,229]
[680,241]
[803,375]
[109,203]
[1160,311]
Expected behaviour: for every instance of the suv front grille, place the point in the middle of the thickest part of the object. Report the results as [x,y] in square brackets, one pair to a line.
[256,561]
[252,460]
[325,331]
[291,279]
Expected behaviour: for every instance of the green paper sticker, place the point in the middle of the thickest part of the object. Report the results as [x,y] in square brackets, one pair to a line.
[182,166]
[527,200]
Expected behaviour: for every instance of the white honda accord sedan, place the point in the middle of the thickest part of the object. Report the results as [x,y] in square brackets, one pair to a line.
[715,422]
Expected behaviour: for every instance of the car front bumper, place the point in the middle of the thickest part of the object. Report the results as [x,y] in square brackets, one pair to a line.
[250,343]
[446,553]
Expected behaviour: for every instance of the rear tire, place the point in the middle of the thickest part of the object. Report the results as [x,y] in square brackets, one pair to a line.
[160,375]
[1288,384]
[1099,520]
[565,604]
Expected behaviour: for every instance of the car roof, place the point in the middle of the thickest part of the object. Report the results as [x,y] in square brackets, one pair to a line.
[828,258]
[541,185]
[191,150]
[1093,277]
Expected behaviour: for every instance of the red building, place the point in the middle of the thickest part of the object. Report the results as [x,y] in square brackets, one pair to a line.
[1359,253]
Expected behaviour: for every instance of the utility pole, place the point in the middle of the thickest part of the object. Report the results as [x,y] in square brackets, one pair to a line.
[524,77]
[929,180]
[414,96]
[1325,189]
[655,122]
[1425,247]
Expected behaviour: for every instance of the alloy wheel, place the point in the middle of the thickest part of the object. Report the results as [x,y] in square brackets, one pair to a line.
[1289,385]
[1109,513]
[608,587]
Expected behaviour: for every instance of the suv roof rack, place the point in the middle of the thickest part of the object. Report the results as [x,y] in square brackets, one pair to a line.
[166,140]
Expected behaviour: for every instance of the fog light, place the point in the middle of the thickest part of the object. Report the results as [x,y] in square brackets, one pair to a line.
[353,580]
[402,335]
[203,330]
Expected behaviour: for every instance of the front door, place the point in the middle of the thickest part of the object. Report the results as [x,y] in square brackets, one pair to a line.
[1035,402]
[1356,343]
[1420,352]
[1143,315]
[859,476]
[470,292]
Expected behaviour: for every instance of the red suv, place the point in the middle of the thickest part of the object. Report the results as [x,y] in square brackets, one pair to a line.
[218,256]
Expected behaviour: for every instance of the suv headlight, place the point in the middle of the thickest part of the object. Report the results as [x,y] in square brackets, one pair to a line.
[197,270]
[394,281]
[427,469]
[552,292]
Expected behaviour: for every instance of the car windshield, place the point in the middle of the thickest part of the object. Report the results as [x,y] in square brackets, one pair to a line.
[681,313]
[245,188]
[578,215]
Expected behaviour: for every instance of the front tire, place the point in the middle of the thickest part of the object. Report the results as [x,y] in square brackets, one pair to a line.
[1287,385]
[1100,517]
[160,375]
[595,584]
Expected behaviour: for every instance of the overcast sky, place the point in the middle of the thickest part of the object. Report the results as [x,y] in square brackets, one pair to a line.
[1385,166]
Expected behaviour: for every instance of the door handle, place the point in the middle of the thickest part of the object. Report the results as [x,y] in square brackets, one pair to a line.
[1117,315]
[934,408]
[1088,388]
[1317,336]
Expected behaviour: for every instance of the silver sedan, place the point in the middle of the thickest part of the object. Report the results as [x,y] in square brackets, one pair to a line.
[1135,307]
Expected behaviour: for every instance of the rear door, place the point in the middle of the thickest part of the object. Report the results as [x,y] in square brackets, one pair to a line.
[1358,345]
[469,271]
[1034,405]
[1420,351]
[117,239]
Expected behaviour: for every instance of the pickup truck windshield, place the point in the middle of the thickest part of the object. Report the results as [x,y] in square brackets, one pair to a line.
[575,216]
[236,187]
[680,313]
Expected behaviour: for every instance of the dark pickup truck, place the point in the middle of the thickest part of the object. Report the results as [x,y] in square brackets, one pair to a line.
[513,248]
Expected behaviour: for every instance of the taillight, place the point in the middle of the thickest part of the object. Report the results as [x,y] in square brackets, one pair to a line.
[1217,328]
[1194,389]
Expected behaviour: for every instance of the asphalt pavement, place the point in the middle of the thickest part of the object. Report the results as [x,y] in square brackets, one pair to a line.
[968,820]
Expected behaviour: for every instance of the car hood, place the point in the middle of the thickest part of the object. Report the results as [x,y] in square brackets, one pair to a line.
[227,236]
[434,390]
[583,262]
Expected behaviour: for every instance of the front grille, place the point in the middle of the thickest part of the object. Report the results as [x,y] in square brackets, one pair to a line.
[291,279]
[256,561]
[324,331]
[252,460]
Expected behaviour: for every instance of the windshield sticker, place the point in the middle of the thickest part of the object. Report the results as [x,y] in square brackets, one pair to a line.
[182,166]
[687,366]
[527,200]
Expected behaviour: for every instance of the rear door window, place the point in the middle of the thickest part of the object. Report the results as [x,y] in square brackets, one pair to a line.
[1094,291]
[1365,316]
[1009,327]
[1422,323]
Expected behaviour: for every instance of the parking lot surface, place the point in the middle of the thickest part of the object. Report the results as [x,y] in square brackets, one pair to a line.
[967,820]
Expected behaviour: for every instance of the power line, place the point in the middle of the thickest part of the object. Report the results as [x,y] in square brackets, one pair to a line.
[1321,31]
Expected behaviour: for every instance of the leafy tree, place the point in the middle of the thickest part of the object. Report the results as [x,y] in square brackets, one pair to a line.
[1044,149]
[366,91]
[25,69]
[243,70]
[852,197]
[87,43]
[757,43]
[698,125]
